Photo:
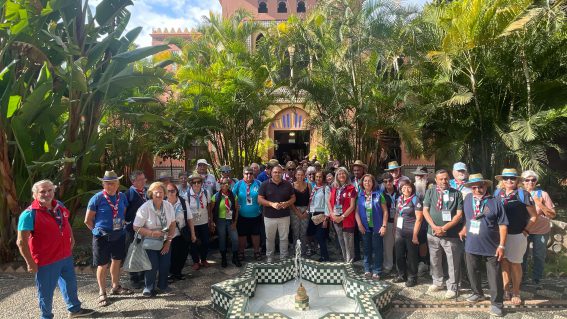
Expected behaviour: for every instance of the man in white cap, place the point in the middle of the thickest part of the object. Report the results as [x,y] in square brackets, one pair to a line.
[226,172]
[486,230]
[460,177]
[209,181]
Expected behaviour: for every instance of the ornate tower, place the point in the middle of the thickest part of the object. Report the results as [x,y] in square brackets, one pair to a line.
[267,10]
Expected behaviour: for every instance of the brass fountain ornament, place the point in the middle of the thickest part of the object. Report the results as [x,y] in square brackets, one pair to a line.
[301,297]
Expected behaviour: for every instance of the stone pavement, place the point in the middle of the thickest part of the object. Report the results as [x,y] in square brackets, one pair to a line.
[191,299]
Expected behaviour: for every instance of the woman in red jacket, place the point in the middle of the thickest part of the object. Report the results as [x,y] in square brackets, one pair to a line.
[342,208]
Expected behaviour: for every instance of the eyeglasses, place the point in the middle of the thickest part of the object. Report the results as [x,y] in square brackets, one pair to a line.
[531,180]
[171,191]
[509,178]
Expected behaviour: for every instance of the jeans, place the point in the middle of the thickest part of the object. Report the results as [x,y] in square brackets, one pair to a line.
[281,226]
[200,252]
[494,276]
[321,235]
[223,228]
[60,273]
[161,264]
[373,252]
[539,252]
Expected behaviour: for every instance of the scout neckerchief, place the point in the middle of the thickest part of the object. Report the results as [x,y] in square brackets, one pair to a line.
[368,206]
[226,202]
[403,202]
[478,206]
[248,189]
[460,184]
[339,194]
[56,214]
[200,195]
[440,193]
[141,193]
[506,198]
[113,207]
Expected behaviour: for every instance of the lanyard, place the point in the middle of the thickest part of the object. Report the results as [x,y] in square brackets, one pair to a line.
[478,207]
[248,189]
[368,199]
[339,194]
[115,206]
[160,215]
[402,203]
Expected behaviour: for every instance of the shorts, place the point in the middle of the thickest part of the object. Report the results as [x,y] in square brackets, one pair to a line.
[249,225]
[312,228]
[104,250]
[516,245]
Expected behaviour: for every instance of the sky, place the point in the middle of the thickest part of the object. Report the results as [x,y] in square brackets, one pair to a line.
[151,14]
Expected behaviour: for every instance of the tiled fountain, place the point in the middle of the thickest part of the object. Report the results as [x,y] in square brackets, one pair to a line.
[267,290]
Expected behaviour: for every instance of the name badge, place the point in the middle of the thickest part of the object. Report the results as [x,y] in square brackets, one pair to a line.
[475,227]
[446,214]
[400,222]
[229,214]
[338,210]
[445,197]
[117,223]
[248,201]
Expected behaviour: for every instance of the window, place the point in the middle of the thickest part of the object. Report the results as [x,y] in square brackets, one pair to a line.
[300,6]
[262,7]
[282,7]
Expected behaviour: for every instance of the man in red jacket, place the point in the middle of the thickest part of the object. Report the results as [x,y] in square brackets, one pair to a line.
[45,240]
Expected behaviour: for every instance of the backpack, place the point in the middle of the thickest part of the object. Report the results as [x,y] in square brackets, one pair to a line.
[520,194]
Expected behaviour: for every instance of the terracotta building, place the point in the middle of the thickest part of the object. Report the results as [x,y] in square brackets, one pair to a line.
[289,128]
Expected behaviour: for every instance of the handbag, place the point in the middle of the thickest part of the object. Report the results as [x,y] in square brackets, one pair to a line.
[318,219]
[152,243]
[137,259]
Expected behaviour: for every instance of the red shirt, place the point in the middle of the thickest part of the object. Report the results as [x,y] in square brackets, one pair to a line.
[48,241]
[349,192]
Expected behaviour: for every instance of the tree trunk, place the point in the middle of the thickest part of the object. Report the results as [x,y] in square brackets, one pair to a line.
[9,207]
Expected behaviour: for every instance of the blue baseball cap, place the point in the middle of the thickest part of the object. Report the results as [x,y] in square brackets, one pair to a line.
[460,166]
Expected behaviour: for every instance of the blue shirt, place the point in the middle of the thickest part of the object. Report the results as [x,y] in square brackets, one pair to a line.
[488,239]
[262,177]
[103,217]
[247,209]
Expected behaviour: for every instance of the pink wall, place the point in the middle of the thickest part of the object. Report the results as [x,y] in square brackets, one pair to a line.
[231,6]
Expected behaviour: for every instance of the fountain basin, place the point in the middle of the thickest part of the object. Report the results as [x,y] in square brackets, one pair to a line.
[236,298]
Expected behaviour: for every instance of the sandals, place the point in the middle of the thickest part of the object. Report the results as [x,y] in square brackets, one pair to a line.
[102,300]
[507,295]
[516,300]
[120,291]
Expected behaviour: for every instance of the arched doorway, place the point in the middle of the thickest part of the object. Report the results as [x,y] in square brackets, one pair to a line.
[291,135]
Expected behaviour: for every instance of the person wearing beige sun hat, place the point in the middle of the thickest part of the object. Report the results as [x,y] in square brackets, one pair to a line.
[486,230]
[522,216]
[395,170]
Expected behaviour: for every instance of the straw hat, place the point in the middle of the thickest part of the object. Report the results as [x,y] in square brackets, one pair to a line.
[508,172]
[194,177]
[110,176]
[476,179]
[359,163]
[392,166]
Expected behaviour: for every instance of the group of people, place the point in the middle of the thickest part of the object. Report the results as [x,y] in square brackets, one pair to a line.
[399,222]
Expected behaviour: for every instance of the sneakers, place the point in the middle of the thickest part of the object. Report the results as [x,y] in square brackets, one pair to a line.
[495,311]
[205,264]
[435,288]
[83,312]
[450,294]
[475,298]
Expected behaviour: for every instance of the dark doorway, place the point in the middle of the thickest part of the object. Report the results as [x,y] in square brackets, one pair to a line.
[291,145]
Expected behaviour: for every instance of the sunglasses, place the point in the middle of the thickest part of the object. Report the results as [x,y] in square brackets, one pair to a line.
[531,180]
[171,191]
[509,178]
